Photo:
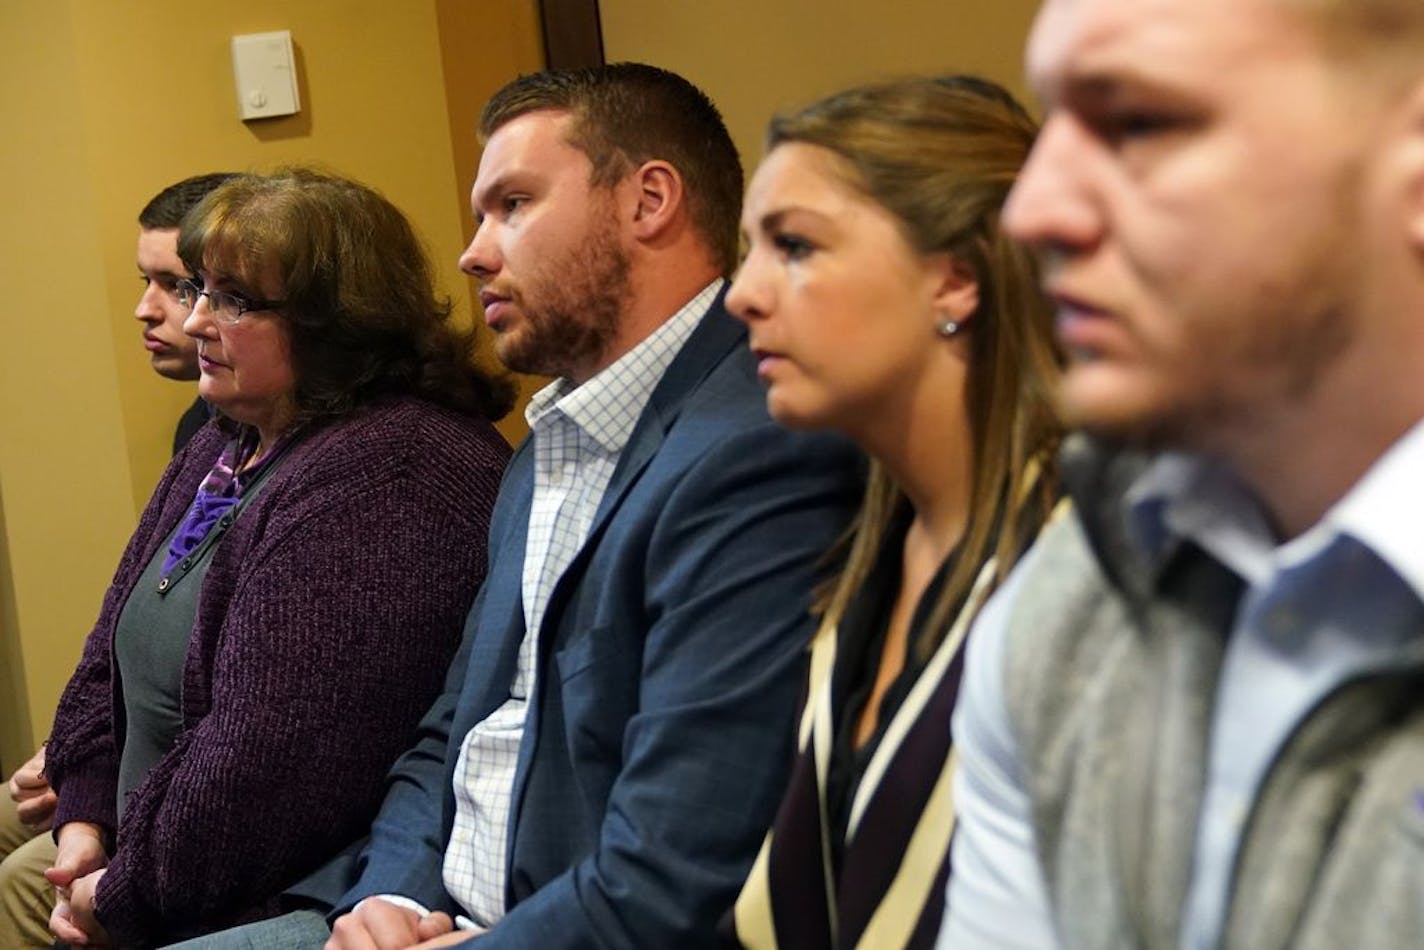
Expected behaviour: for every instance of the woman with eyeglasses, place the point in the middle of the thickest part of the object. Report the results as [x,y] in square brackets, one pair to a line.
[884,301]
[298,583]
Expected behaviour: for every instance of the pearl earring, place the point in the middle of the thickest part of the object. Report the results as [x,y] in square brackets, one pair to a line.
[948,328]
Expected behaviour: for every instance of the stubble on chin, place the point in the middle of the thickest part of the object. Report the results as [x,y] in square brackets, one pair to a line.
[571,313]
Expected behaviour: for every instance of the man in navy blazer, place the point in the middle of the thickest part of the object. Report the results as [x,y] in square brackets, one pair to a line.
[615,733]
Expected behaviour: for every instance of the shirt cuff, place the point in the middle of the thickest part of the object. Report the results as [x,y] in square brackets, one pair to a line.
[400,900]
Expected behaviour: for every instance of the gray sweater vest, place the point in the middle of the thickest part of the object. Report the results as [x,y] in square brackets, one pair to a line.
[1111,673]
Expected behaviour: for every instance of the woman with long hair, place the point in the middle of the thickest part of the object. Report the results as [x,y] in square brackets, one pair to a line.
[883,301]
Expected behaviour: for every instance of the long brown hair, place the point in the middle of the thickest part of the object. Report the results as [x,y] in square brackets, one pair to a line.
[941,155]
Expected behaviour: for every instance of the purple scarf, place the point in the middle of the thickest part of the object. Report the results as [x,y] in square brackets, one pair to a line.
[221,491]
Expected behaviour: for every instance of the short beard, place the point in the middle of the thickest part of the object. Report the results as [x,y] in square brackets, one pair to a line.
[572,309]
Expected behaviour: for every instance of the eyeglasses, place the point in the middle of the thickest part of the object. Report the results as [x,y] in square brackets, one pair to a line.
[227,308]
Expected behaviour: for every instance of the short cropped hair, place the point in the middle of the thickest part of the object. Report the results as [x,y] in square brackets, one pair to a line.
[358,295]
[167,208]
[625,114]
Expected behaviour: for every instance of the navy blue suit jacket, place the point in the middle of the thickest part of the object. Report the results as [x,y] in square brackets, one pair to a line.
[670,662]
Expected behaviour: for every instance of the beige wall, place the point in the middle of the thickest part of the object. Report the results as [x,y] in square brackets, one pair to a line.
[757,57]
[106,103]
[65,485]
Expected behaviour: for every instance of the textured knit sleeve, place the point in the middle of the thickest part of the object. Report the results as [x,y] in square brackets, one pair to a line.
[81,758]
[341,601]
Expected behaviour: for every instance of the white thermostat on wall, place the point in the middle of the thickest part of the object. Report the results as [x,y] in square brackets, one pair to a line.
[266,75]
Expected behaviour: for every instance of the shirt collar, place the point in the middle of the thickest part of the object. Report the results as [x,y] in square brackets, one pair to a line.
[1183,497]
[1376,510]
[607,407]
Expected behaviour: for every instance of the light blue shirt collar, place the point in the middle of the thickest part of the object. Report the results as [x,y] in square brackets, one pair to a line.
[1183,497]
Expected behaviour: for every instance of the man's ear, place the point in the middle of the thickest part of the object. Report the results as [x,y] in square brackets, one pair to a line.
[956,289]
[659,199]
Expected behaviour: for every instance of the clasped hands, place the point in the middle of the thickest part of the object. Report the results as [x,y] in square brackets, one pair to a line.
[78,865]
[378,924]
[80,860]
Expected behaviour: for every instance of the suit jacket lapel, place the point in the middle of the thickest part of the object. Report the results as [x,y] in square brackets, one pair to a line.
[710,342]
[716,335]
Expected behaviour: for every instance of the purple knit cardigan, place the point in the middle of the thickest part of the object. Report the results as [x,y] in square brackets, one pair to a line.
[323,631]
